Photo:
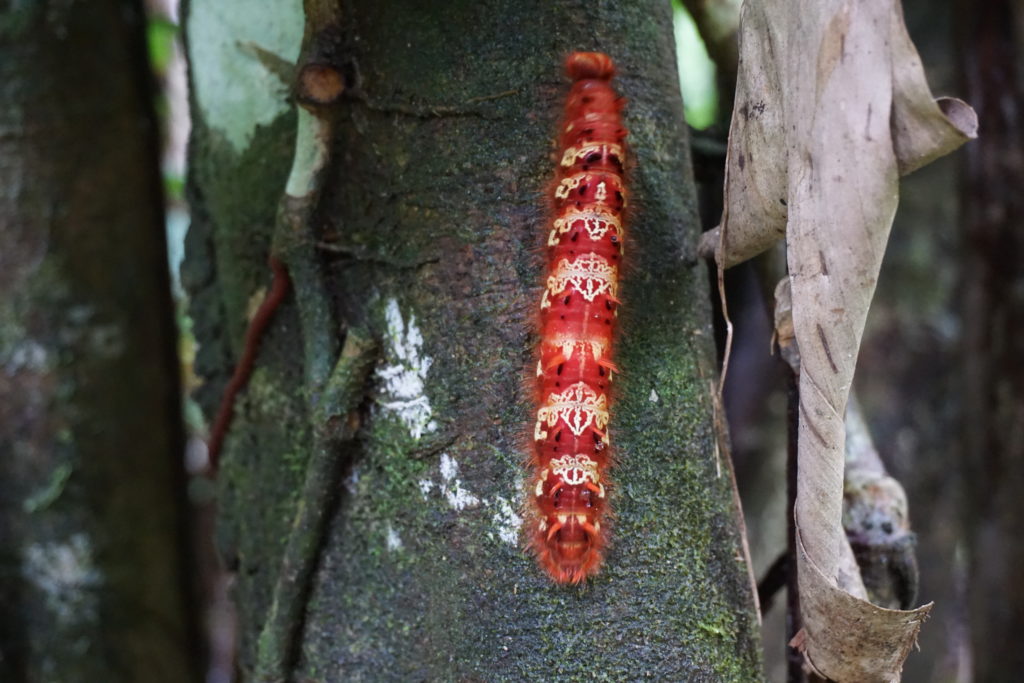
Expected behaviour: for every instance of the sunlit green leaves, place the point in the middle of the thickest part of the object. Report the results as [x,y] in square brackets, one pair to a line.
[696,71]
[160,36]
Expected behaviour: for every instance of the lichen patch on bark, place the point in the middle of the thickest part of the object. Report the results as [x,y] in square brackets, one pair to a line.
[67,577]
[404,374]
[236,91]
[507,522]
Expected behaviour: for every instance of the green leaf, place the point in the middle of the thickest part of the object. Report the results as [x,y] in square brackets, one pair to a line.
[160,35]
[696,71]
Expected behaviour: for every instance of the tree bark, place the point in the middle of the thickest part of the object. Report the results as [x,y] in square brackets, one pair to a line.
[92,512]
[434,210]
[992,213]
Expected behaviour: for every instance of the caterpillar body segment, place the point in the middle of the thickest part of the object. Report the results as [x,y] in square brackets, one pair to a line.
[579,312]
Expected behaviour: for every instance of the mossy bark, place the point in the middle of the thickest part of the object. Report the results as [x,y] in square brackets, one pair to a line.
[434,209]
[92,508]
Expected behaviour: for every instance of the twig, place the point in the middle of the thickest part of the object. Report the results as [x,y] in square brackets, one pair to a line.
[794,624]
[774,580]
[720,277]
[253,336]
[293,261]
[275,64]
[319,85]
[876,519]
[294,243]
[332,429]
[723,451]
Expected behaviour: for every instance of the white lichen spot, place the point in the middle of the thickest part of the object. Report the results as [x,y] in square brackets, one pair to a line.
[449,468]
[653,398]
[426,486]
[507,522]
[235,91]
[67,577]
[405,373]
[352,482]
[84,324]
[394,541]
[458,498]
[28,355]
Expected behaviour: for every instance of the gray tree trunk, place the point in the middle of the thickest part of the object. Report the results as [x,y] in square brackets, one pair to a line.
[92,499]
[434,211]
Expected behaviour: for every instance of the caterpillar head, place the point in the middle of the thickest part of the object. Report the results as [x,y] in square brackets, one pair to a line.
[584,65]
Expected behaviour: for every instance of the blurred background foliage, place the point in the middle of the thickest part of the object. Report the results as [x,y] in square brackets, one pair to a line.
[696,71]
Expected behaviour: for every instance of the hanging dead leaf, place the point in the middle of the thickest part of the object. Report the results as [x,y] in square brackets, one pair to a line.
[831,108]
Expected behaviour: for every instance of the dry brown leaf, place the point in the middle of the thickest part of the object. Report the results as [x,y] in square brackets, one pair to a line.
[831,107]
[921,128]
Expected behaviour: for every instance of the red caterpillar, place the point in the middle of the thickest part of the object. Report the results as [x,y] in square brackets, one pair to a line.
[578,320]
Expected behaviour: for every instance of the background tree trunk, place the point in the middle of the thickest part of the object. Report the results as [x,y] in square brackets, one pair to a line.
[434,208]
[92,546]
[992,216]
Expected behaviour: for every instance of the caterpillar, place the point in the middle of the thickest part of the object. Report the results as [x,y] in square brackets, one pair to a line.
[578,311]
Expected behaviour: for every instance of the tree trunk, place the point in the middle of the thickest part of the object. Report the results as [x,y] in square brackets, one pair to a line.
[92,542]
[992,212]
[434,211]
